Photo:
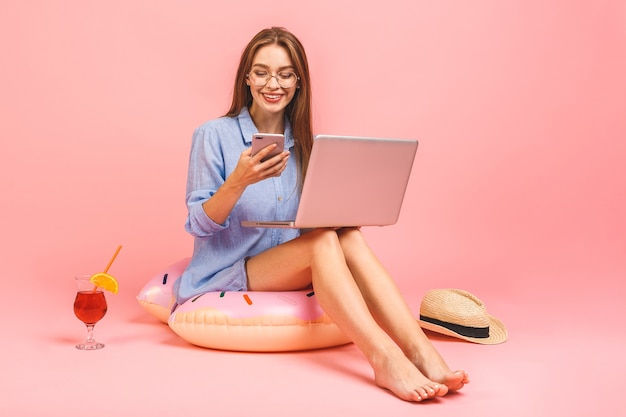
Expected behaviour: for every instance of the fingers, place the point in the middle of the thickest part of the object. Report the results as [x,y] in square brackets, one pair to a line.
[272,167]
[277,168]
[265,153]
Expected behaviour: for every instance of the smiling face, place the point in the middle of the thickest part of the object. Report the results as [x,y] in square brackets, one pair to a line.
[269,101]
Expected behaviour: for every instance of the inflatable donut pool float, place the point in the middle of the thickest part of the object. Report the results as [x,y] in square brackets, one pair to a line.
[242,321]
[156,297]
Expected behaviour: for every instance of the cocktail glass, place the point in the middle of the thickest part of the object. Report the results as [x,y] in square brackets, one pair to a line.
[89,306]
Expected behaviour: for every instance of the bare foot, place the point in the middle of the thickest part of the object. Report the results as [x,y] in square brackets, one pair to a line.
[397,374]
[453,380]
[432,365]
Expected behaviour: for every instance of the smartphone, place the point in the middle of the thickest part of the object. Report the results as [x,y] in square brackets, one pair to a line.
[261,140]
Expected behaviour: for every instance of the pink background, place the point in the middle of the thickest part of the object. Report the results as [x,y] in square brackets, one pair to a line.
[518,195]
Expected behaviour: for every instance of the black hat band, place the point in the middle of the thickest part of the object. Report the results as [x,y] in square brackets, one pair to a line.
[477,332]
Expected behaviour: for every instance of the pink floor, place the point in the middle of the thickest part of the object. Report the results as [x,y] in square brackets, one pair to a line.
[518,195]
[564,358]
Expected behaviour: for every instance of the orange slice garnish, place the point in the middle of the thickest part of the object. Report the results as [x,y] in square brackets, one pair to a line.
[104,281]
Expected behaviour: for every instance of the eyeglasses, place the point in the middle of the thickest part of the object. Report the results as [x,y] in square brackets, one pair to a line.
[285,79]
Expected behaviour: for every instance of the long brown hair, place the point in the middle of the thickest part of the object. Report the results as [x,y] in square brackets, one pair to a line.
[298,111]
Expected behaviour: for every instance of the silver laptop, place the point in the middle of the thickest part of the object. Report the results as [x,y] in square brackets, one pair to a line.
[352,181]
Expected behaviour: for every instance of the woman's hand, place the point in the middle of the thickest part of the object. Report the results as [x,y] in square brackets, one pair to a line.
[252,169]
[249,170]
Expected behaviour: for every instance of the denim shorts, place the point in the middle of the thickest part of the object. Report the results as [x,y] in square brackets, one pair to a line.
[232,278]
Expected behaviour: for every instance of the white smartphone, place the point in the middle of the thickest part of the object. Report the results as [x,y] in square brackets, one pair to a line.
[261,140]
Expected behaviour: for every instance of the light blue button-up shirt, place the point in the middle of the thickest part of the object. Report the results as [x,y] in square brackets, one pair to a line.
[215,151]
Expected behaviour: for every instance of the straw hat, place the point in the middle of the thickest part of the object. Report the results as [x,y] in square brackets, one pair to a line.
[459,314]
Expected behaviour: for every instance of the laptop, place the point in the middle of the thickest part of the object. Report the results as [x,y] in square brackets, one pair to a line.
[352,181]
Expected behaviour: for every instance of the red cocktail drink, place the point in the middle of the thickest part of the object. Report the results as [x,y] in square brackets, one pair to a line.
[90,306]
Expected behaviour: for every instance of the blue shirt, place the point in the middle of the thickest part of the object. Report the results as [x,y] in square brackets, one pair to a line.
[215,151]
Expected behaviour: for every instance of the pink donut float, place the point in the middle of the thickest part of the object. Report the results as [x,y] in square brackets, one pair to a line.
[156,296]
[243,321]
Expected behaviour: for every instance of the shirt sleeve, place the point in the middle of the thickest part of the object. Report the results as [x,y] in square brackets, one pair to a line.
[206,174]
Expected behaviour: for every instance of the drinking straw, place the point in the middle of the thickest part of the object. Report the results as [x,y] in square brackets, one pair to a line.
[113,258]
[95,287]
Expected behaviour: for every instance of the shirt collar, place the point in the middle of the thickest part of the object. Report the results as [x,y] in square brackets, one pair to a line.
[248,128]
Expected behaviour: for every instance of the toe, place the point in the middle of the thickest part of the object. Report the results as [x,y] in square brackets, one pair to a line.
[466,379]
[415,396]
[441,390]
[423,392]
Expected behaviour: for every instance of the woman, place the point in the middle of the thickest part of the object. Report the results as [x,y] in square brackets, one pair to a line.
[227,184]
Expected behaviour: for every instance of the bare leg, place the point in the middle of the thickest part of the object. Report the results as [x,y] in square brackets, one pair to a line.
[318,257]
[340,297]
[392,313]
